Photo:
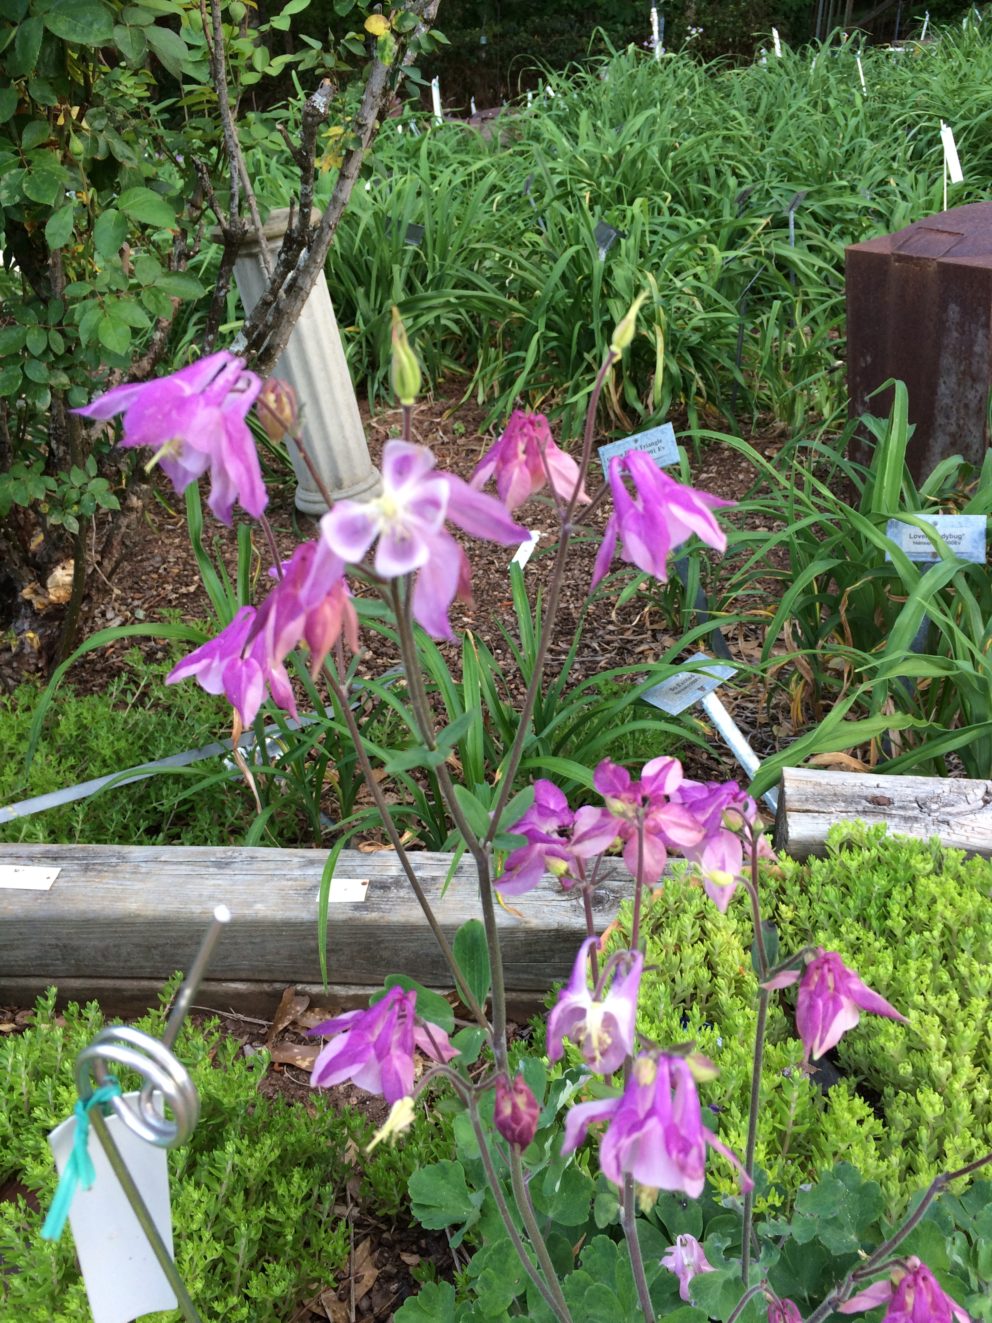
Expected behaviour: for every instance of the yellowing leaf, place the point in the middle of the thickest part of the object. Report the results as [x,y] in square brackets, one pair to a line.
[377,24]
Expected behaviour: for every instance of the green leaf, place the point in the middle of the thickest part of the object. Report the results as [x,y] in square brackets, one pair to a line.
[9,97]
[440,1197]
[10,381]
[36,370]
[35,132]
[472,955]
[433,1303]
[147,268]
[131,43]
[431,1006]
[43,185]
[27,44]
[109,232]
[476,813]
[58,228]
[141,204]
[80,22]
[180,285]
[169,47]
[12,339]
[113,334]
[36,340]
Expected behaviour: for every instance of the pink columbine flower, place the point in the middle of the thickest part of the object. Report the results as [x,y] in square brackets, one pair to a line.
[655,1131]
[547,849]
[374,1048]
[515,1111]
[524,458]
[602,1027]
[645,815]
[830,1001]
[195,420]
[913,1295]
[408,520]
[722,810]
[659,516]
[784,1311]
[686,1259]
[310,604]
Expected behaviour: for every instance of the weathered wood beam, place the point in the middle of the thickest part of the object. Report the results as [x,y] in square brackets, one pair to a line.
[810,802]
[135,914]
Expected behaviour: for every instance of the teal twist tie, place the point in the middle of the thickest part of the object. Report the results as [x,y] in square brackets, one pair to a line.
[79,1169]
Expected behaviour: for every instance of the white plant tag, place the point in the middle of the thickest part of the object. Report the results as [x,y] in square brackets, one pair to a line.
[27,877]
[951,159]
[122,1277]
[658,442]
[681,691]
[964,535]
[777,42]
[861,74]
[524,552]
[347,890]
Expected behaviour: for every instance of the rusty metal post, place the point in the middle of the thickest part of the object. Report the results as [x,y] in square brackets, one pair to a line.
[919,308]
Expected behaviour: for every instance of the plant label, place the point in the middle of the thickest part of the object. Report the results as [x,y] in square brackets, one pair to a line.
[605,236]
[347,890]
[861,75]
[777,42]
[682,691]
[436,100]
[524,552]
[658,442]
[27,877]
[122,1277]
[964,534]
[952,162]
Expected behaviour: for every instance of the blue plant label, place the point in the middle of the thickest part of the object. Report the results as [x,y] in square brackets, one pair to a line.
[681,691]
[658,442]
[964,534]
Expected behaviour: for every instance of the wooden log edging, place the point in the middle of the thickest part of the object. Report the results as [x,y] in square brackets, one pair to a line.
[124,918]
[958,812]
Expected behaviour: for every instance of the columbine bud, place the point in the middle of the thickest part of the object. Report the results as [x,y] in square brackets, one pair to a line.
[516,1111]
[277,409]
[624,334]
[405,370]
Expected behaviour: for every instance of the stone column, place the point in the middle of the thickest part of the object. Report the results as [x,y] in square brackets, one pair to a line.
[314,364]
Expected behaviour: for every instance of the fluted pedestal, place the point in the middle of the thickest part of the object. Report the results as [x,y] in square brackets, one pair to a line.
[314,364]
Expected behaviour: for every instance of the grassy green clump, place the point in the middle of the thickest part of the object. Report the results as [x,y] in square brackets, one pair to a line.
[135,719]
[253,1192]
[914,921]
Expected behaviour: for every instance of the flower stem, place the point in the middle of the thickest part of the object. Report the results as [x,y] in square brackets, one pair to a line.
[522,1196]
[403,858]
[629,1222]
[742,1303]
[273,546]
[512,761]
[752,1129]
[939,1183]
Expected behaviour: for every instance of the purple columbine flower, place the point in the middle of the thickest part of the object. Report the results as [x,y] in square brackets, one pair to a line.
[408,520]
[195,420]
[913,1295]
[830,1001]
[310,603]
[655,1131]
[784,1311]
[602,1027]
[686,1259]
[722,809]
[659,516]
[374,1048]
[515,1111]
[526,457]
[645,815]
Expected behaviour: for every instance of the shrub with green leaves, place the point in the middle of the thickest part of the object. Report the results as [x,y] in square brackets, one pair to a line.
[914,921]
[253,1192]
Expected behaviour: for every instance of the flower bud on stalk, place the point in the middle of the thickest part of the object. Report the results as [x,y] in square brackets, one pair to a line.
[405,370]
[277,409]
[624,334]
[516,1111]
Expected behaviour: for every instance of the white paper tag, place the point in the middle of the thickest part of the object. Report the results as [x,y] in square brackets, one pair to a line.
[27,877]
[861,73]
[964,535]
[681,691]
[777,42]
[121,1274]
[347,890]
[524,552]
[658,442]
[951,158]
